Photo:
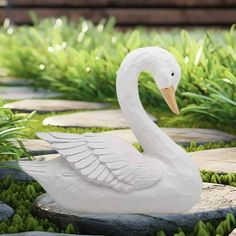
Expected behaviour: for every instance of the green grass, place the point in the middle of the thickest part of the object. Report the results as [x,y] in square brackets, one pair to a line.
[12,126]
[81,59]
[20,197]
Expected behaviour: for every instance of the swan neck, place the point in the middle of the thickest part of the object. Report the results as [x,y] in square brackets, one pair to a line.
[152,139]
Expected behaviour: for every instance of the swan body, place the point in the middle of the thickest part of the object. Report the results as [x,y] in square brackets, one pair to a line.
[101,173]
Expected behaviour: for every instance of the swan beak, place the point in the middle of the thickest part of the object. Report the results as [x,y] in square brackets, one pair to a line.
[169,96]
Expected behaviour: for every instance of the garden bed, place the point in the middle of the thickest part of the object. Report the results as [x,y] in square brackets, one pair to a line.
[71,61]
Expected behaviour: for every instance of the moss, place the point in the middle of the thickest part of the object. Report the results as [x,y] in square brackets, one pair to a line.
[202,228]
[219,178]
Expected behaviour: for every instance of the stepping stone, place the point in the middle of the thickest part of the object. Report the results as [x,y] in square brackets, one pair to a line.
[216,201]
[182,136]
[47,157]
[233,233]
[103,118]
[40,233]
[5,211]
[13,81]
[221,160]
[15,93]
[36,146]
[52,105]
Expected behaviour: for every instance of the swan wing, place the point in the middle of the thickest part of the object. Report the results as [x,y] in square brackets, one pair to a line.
[105,160]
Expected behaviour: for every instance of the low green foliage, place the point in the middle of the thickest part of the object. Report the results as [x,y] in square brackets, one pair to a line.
[193,147]
[219,178]
[11,127]
[81,59]
[20,196]
[222,228]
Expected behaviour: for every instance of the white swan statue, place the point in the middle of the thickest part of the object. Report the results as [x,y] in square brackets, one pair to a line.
[101,173]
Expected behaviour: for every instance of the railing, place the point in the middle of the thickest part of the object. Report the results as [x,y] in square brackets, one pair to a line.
[127,12]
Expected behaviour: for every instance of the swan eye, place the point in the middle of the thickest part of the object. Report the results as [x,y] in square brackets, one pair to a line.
[172,74]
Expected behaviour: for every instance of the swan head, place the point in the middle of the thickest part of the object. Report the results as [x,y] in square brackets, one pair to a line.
[167,74]
[160,63]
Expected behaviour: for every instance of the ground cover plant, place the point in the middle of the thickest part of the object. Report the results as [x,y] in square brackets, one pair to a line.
[20,196]
[11,127]
[81,59]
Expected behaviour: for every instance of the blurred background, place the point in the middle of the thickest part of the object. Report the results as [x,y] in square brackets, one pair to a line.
[149,13]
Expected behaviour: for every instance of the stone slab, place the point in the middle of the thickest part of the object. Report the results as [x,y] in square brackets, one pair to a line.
[40,147]
[40,233]
[22,92]
[182,136]
[221,160]
[53,105]
[36,146]
[233,233]
[216,201]
[5,211]
[102,118]
[13,81]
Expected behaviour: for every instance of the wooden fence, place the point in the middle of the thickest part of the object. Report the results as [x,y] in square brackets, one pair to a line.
[127,12]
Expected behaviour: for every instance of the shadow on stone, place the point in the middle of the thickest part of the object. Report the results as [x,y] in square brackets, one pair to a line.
[40,233]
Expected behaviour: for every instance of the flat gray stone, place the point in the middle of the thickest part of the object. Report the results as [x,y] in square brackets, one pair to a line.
[221,160]
[40,147]
[47,157]
[103,118]
[53,105]
[21,92]
[13,81]
[233,233]
[182,136]
[40,233]
[36,146]
[5,211]
[216,201]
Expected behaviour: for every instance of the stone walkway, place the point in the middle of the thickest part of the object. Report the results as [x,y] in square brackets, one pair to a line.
[216,201]
[53,105]
[40,147]
[221,160]
[12,81]
[102,118]
[182,135]
[36,146]
[15,93]
[40,233]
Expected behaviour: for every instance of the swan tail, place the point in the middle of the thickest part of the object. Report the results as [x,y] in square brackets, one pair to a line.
[35,169]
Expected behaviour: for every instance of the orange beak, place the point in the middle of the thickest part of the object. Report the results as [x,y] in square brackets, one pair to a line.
[169,96]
